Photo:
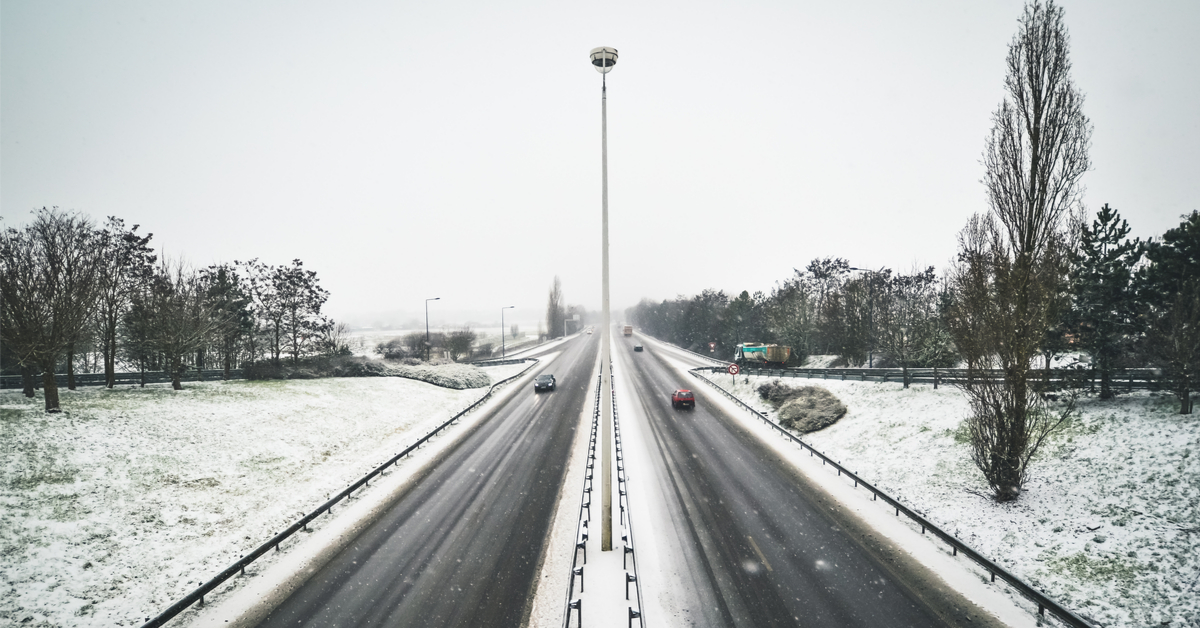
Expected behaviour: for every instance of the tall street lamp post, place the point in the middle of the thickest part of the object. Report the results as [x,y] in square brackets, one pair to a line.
[427,325]
[502,327]
[603,59]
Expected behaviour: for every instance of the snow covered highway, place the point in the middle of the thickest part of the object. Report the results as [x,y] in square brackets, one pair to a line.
[462,547]
[737,537]
[730,531]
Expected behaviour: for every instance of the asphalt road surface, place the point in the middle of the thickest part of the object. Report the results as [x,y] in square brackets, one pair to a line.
[464,545]
[746,539]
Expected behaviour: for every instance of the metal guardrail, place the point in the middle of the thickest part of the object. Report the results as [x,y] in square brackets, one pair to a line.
[581,527]
[1122,379]
[631,577]
[1042,600]
[197,596]
[483,363]
[122,379]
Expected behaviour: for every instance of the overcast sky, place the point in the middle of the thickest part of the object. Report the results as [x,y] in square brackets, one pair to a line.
[406,150]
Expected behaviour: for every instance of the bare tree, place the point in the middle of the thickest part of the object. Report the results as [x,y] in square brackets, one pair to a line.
[459,342]
[555,309]
[126,260]
[335,338]
[1013,262]
[228,294]
[906,314]
[182,319]
[47,290]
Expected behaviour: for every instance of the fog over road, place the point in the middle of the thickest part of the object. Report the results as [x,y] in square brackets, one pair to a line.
[740,538]
[463,546]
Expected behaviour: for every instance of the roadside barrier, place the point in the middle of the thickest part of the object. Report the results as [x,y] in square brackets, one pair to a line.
[581,528]
[1126,379]
[574,604]
[626,522]
[1043,602]
[239,567]
[1055,379]
[122,379]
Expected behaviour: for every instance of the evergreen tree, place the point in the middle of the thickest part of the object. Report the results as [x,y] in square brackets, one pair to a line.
[1169,289]
[1102,317]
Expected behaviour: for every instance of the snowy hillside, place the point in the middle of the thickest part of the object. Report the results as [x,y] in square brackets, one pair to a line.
[1109,524]
[132,497]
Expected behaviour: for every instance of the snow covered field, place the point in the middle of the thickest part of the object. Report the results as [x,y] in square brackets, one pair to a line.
[132,497]
[1109,524]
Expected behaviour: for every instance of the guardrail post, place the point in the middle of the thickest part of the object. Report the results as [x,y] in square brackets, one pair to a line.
[628,578]
[577,605]
[635,615]
[628,551]
[579,572]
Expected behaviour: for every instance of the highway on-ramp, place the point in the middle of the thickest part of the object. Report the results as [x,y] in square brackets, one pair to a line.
[462,547]
[738,537]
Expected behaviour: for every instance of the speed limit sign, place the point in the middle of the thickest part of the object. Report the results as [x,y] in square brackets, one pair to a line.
[733,369]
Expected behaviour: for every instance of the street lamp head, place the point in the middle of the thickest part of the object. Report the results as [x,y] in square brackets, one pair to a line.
[604,58]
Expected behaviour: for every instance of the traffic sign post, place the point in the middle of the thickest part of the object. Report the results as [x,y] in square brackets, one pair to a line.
[733,370]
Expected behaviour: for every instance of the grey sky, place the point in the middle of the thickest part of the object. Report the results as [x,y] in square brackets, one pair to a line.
[407,150]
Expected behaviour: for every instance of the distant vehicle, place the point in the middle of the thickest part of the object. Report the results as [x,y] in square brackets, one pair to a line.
[756,353]
[637,348]
[544,382]
[589,331]
[683,399]
[629,330]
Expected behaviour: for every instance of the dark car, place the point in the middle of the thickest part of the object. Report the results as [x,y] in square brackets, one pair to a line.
[637,348]
[683,399]
[544,382]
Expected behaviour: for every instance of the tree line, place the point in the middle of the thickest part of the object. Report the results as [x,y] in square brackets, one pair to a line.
[1033,278]
[1120,302]
[73,293]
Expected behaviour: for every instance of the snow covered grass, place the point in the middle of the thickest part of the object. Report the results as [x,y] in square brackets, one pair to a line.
[121,505]
[1108,525]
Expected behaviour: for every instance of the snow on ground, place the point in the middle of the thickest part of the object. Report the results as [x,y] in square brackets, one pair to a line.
[1108,525]
[124,503]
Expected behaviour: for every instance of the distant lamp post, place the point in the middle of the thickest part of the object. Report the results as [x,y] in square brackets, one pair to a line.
[603,59]
[871,313]
[427,325]
[502,327]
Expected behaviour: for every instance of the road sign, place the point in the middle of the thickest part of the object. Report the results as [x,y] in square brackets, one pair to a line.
[712,346]
[733,369]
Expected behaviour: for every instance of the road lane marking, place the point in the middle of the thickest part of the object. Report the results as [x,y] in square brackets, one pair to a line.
[760,554]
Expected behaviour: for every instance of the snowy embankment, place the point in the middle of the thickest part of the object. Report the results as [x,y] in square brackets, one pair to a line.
[132,497]
[1108,525]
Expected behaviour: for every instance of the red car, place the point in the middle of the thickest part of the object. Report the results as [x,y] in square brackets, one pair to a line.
[683,399]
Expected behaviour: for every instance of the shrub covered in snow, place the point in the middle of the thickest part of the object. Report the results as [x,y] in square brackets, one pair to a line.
[446,375]
[805,408]
[457,376]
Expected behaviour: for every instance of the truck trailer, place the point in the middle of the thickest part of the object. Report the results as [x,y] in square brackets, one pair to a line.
[629,330]
[757,353]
